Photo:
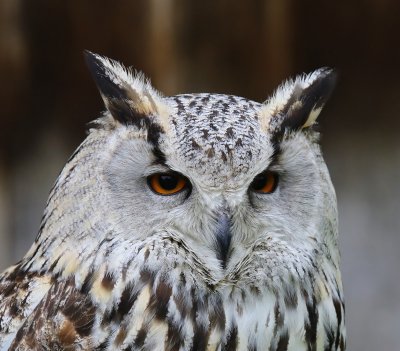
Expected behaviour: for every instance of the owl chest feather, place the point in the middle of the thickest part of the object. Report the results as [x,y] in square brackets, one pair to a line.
[175,305]
[160,299]
[189,316]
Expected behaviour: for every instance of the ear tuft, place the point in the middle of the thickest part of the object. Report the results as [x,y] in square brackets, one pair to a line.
[127,96]
[297,103]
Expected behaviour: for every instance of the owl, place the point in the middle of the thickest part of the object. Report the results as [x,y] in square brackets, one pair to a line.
[192,222]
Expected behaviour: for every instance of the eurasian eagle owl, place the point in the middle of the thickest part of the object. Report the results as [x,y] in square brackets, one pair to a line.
[191,222]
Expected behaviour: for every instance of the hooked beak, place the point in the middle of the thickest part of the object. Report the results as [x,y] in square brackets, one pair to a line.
[223,236]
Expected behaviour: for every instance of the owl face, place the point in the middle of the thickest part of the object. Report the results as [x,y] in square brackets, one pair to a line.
[219,172]
[194,222]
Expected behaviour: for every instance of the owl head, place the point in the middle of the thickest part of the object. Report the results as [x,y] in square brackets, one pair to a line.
[219,174]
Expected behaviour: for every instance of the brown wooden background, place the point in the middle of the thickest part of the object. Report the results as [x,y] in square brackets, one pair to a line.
[239,47]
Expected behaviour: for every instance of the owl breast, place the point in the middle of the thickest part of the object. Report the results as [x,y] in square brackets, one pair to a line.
[175,303]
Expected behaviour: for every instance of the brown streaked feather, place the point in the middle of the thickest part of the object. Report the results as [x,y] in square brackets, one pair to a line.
[62,319]
[17,288]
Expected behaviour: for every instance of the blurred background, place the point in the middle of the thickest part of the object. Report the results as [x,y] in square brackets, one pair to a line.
[244,48]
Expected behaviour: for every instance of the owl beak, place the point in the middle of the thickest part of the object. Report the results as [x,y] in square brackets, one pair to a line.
[223,236]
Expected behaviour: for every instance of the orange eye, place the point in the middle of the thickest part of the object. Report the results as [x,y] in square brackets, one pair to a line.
[167,183]
[265,183]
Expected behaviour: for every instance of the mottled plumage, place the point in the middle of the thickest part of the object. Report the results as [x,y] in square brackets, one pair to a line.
[217,265]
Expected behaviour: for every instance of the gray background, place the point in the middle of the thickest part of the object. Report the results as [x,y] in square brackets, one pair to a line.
[243,48]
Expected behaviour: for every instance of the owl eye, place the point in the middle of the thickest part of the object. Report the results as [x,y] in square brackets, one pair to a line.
[265,183]
[167,183]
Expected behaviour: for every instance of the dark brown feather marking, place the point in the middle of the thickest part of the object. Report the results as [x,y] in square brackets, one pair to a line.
[342,343]
[232,340]
[279,319]
[146,254]
[108,281]
[338,309]
[330,338]
[18,336]
[147,277]
[17,274]
[174,340]
[283,342]
[80,311]
[199,307]
[159,300]
[128,298]
[141,337]
[181,304]
[229,133]
[54,264]
[87,283]
[119,339]
[290,299]
[103,346]
[311,325]
[217,316]
[43,328]
[14,310]
[200,338]
[67,334]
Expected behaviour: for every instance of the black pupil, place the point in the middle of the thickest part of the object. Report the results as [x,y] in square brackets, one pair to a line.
[168,182]
[259,182]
